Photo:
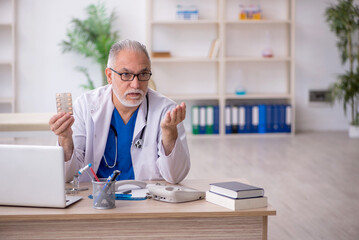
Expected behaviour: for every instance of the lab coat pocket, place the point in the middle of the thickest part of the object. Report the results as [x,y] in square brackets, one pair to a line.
[147,163]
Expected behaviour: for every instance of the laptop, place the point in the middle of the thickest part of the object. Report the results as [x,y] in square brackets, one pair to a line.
[33,176]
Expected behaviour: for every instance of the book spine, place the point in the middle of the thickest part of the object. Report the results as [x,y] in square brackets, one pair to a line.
[216,49]
[202,120]
[209,119]
[248,119]
[288,118]
[195,120]
[242,119]
[275,117]
[216,119]
[228,124]
[282,118]
[255,118]
[269,119]
[234,119]
[262,119]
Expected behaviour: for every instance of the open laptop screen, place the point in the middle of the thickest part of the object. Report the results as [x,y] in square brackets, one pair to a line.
[32,176]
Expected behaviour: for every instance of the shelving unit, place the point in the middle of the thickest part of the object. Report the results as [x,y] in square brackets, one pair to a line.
[190,75]
[7,56]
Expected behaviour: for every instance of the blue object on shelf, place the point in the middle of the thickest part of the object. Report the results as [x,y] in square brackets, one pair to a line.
[241,92]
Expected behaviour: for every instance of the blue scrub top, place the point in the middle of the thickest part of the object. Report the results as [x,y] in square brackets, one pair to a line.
[124,142]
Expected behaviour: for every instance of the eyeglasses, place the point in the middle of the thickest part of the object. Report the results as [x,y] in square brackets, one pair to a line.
[145,76]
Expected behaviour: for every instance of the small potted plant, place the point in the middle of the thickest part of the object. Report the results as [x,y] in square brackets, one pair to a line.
[343,20]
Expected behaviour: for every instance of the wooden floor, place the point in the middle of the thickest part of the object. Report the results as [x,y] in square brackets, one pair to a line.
[311,179]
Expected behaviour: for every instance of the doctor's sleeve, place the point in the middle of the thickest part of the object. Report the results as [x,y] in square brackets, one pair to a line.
[175,167]
[79,139]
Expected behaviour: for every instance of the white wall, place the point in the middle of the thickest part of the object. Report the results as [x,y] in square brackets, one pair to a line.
[42,70]
[317,64]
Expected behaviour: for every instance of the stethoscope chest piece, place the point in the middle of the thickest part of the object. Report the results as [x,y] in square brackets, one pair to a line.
[138,143]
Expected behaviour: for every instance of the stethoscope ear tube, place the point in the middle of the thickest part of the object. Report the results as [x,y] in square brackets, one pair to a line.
[139,142]
[114,130]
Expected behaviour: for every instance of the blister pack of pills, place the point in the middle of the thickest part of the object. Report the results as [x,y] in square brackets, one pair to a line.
[64,102]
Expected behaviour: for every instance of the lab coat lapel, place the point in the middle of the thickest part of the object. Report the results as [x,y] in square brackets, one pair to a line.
[140,121]
[101,113]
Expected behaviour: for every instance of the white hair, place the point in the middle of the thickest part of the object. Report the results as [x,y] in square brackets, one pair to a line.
[125,45]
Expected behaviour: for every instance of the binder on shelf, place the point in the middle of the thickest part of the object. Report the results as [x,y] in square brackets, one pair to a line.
[234,115]
[202,120]
[242,118]
[269,119]
[228,124]
[209,119]
[262,118]
[216,119]
[282,118]
[248,119]
[275,117]
[288,118]
[255,119]
[195,120]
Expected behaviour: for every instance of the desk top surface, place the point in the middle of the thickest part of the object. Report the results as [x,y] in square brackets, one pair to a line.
[132,209]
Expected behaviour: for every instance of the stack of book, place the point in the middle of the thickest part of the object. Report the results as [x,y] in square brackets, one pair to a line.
[236,195]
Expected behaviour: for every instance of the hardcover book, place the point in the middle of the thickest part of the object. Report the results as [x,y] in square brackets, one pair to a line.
[236,204]
[236,190]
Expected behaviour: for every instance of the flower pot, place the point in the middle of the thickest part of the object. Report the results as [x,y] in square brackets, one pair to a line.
[354,131]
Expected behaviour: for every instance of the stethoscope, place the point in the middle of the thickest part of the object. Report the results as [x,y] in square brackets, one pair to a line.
[138,143]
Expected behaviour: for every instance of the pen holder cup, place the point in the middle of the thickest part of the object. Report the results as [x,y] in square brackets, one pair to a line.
[104,196]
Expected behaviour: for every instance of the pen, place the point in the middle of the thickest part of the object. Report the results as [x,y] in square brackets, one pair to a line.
[92,171]
[119,196]
[113,176]
[84,168]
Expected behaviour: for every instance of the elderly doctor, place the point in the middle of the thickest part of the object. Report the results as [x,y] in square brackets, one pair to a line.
[125,125]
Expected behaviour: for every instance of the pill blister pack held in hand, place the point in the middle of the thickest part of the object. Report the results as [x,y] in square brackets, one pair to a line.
[64,102]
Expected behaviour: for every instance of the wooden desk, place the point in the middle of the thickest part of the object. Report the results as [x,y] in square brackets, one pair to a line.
[147,219]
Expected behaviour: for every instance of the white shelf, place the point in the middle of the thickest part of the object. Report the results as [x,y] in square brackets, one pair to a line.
[264,21]
[257,59]
[259,96]
[241,43]
[194,97]
[183,22]
[182,59]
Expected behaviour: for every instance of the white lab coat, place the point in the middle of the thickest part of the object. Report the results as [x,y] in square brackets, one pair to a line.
[93,111]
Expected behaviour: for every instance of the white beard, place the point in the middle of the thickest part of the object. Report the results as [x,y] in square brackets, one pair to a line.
[133,103]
